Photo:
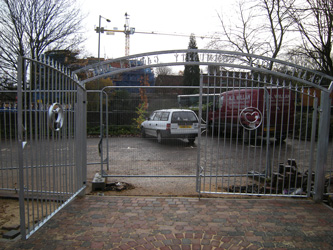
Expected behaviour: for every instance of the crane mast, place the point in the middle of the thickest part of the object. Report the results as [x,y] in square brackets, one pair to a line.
[128,31]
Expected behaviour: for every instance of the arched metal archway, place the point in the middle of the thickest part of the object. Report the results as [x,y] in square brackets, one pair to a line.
[266,175]
[225,59]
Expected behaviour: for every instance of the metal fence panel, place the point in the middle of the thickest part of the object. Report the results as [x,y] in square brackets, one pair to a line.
[290,121]
[8,135]
[121,117]
[329,170]
[261,137]
[50,159]
[278,158]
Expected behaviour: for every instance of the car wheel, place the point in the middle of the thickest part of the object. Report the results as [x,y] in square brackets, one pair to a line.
[281,138]
[143,133]
[191,140]
[159,137]
[245,136]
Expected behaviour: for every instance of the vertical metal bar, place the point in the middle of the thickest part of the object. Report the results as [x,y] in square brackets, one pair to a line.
[224,153]
[65,133]
[322,147]
[211,170]
[20,77]
[101,129]
[198,177]
[84,143]
[313,139]
[69,134]
[2,163]
[208,159]
[30,182]
[205,147]
[84,137]
[6,143]
[36,140]
[10,145]
[81,147]
[52,164]
[300,144]
[107,130]
[41,137]
[268,117]
[48,173]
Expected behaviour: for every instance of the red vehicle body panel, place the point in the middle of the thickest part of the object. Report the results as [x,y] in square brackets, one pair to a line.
[269,109]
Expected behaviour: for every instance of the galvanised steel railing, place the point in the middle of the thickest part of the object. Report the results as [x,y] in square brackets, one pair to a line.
[50,144]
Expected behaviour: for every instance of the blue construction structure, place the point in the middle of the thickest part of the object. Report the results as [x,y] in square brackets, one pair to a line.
[139,77]
[133,78]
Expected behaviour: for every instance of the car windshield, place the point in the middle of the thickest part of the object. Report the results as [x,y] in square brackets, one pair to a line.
[183,116]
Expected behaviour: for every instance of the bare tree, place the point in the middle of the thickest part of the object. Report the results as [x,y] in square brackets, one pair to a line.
[163,71]
[314,19]
[29,27]
[277,13]
[260,29]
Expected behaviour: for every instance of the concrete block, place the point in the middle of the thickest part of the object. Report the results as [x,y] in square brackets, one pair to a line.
[98,183]
[11,234]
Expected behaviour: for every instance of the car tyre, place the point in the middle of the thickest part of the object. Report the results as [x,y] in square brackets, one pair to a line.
[143,133]
[245,136]
[159,137]
[281,139]
[191,141]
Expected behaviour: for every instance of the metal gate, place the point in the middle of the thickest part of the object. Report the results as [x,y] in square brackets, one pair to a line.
[120,129]
[262,136]
[51,143]
[265,122]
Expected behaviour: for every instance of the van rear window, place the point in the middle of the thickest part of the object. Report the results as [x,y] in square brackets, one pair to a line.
[183,116]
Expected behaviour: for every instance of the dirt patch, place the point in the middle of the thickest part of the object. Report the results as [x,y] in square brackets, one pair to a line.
[118,186]
[185,187]
[10,212]
[9,215]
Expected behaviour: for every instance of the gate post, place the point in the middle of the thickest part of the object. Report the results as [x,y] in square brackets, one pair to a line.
[81,138]
[20,143]
[322,148]
[198,177]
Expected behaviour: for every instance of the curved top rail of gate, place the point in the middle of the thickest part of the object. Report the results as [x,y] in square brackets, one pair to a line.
[227,59]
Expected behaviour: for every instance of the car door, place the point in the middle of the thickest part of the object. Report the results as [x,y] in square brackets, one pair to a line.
[156,123]
[149,127]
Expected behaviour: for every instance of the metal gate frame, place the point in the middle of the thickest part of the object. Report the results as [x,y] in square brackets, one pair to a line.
[51,143]
[318,164]
[242,62]
[104,143]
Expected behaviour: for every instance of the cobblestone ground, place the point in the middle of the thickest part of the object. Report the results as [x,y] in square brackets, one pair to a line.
[96,222]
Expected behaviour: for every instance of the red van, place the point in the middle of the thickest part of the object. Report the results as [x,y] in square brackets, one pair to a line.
[254,111]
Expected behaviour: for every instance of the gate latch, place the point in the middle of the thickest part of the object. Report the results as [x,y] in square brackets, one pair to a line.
[56,116]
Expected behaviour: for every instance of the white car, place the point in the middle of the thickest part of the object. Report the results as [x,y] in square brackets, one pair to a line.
[171,123]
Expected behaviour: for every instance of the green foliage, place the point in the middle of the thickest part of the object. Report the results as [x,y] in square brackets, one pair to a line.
[192,72]
[114,130]
[141,112]
[123,130]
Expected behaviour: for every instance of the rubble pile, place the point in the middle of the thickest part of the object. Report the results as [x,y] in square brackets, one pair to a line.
[288,180]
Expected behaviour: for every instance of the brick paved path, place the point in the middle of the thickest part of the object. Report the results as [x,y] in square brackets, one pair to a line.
[96,222]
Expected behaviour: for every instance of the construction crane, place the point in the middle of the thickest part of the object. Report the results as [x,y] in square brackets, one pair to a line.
[127,31]
[130,31]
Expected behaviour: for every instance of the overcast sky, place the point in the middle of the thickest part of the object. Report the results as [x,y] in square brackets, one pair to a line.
[171,17]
